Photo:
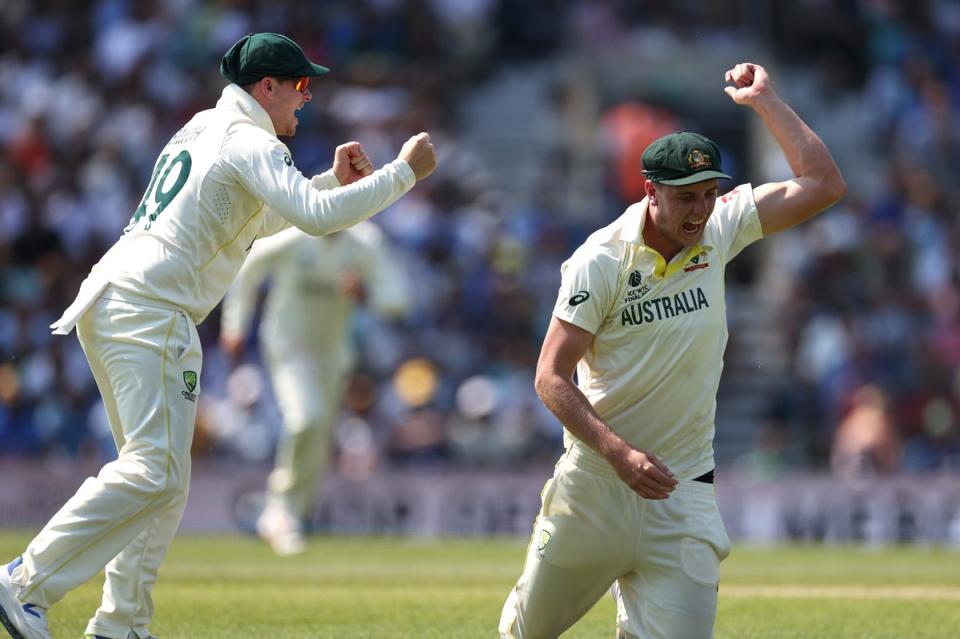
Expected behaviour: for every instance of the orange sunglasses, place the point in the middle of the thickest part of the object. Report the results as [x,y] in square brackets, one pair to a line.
[302,84]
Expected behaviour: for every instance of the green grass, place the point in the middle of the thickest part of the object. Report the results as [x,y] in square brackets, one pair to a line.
[219,587]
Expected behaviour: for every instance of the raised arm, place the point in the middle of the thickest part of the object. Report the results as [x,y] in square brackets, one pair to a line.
[267,172]
[817,182]
[563,347]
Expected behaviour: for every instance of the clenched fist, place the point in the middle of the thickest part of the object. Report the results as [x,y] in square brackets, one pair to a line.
[751,83]
[418,152]
[350,163]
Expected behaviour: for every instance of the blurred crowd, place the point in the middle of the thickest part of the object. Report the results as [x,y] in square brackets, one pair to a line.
[872,312]
[89,93]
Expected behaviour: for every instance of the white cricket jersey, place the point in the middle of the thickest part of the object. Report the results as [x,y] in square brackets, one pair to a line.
[222,181]
[306,313]
[653,368]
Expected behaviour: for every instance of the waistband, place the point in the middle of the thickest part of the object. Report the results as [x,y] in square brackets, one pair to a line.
[594,463]
[114,292]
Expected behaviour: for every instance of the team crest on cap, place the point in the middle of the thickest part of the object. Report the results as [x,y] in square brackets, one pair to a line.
[697,159]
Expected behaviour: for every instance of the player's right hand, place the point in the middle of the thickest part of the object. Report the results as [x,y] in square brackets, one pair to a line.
[644,473]
[350,163]
[418,152]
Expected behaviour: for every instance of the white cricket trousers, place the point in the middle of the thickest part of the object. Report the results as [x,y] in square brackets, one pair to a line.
[309,401]
[146,359]
[660,558]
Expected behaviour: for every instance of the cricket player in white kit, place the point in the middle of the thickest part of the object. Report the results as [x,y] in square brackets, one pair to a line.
[641,319]
[221,182]
[313,280]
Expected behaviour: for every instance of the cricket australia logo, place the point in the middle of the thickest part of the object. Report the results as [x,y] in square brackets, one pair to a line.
[698,261]
[190,381]
[542,543]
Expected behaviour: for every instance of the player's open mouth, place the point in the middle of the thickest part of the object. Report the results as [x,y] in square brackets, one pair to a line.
[691,228]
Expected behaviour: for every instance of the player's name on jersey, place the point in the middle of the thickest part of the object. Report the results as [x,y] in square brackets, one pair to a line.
[186,134]
[664,307]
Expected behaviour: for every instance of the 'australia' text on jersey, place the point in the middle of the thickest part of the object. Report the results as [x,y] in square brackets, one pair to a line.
[664,307]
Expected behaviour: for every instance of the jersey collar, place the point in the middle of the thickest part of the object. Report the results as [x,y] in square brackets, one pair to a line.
[235,98]
[631,230]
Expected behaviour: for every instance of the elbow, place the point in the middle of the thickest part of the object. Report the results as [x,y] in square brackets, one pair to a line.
[824,192]
[834,188]
[542,384]
[539,383]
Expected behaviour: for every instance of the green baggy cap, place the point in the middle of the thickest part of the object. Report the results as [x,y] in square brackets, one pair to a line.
[682,158]
[257,55]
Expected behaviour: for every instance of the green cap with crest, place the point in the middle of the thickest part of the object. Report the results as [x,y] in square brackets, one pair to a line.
[258,55]
[682,158]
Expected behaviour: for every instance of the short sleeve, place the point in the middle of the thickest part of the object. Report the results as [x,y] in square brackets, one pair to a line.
[588,285]
[735,223]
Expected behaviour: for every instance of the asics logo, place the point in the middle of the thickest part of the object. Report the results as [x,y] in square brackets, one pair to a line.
[579,298]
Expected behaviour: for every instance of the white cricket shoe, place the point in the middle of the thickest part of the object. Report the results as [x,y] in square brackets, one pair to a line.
[22,621]
[281,529]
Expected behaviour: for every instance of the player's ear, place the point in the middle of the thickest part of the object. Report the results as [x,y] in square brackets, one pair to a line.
[650,188]
[268,85]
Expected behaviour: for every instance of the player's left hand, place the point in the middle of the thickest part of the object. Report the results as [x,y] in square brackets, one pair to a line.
[350,163]
[751,83]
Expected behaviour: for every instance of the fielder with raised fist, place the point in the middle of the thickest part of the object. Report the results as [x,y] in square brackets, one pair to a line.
[220,183]
[640,318]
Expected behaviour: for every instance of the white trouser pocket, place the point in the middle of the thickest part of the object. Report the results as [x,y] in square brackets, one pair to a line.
[184,335]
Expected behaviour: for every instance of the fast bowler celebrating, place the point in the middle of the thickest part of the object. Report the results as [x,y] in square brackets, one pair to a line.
[641,319]
[221,182]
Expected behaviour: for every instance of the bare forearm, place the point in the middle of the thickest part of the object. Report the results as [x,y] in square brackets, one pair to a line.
[637,468]
[574,411]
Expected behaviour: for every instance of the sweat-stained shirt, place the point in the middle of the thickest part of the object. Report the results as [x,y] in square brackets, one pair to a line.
[222,181]
[660,329]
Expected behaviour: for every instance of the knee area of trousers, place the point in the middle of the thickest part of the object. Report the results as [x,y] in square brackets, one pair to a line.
[514,625]
[158,480]
[168,487]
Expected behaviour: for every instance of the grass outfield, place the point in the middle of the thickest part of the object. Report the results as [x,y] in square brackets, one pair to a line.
[219,587]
